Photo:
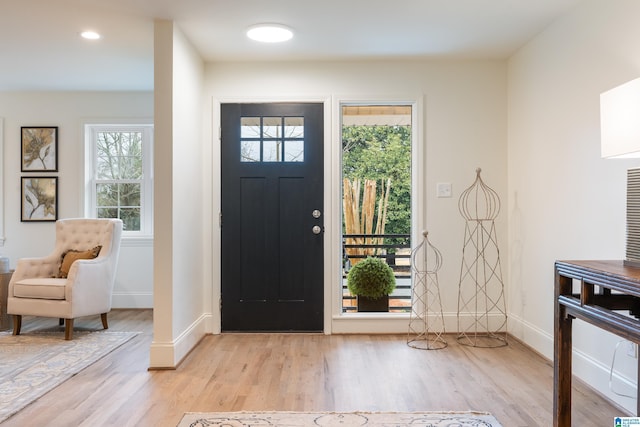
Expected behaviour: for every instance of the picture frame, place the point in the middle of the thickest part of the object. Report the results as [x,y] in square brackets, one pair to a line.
[39,199]
[39,148]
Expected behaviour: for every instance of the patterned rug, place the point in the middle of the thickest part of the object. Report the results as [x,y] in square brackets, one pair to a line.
[335,419]
[33,363]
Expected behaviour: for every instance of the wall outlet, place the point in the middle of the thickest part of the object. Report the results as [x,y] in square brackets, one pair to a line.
[631,349]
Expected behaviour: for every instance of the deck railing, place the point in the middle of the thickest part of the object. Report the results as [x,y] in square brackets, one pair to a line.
[395,249]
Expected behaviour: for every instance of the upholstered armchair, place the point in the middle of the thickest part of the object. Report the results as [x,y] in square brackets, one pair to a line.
[75,280]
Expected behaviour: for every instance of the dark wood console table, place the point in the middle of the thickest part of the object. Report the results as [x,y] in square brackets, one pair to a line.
[5,319]
[602,289]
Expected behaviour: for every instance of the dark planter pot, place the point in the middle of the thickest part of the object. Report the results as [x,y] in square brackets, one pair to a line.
[366,304]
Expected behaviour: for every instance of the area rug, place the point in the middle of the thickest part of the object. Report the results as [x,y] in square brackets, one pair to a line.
[33,363]
[339,419]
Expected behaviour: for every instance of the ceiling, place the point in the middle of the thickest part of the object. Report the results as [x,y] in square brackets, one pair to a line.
[40,47]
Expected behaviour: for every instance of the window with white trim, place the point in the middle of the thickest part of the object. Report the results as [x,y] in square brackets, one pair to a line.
[120,176]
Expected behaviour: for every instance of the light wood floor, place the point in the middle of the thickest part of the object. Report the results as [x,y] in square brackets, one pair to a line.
[304,372]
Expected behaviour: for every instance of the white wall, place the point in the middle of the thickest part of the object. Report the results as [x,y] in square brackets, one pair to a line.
[464,113]
[565,202]
[188,201]
[68,111]
[179,304]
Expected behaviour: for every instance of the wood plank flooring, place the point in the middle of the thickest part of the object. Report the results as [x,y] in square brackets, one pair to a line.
[304,372]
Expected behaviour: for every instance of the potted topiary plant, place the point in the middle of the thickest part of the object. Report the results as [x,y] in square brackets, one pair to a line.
[371,281]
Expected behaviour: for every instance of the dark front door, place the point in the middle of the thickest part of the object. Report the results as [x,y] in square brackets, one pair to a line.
[272,219]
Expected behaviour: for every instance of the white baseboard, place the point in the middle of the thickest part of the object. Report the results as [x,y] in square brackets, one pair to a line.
[591,371]
[169,354]
[531,335]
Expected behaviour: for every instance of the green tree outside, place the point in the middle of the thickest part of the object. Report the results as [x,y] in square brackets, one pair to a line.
[382,152]
[119,172]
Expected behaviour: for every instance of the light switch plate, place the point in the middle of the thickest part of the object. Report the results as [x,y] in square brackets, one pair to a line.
[443,189]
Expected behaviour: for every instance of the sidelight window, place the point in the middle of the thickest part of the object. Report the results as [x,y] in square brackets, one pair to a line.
[376,197]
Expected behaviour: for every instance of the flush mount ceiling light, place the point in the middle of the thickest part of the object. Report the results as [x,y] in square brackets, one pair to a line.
[90,35]
[269,33]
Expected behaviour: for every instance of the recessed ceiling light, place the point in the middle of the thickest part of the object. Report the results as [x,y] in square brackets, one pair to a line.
[90,35]
[269,33]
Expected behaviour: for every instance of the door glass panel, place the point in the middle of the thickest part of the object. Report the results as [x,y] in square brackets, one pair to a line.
[294,151]
[272,127]
[272,151]
[294,127]
[250,127]
[250,151]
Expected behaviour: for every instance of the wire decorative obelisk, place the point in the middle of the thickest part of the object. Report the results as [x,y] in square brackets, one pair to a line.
[482,313]
[426,325]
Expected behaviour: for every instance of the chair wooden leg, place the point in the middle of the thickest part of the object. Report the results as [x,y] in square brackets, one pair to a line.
[68,329]
[103,316]
[17,324]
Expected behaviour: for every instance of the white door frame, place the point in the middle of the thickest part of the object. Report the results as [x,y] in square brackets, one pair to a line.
[334,320]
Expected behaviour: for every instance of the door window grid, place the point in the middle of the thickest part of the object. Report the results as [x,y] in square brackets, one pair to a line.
[272,139]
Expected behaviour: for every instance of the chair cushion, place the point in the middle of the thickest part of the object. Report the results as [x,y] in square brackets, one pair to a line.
[42,288]
[70,256]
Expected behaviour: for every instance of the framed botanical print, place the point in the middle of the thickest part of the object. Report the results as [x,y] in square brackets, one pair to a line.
[39,148]
[39,198]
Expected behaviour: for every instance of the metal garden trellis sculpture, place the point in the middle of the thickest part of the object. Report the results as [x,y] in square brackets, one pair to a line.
[426,325]
[482,315]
